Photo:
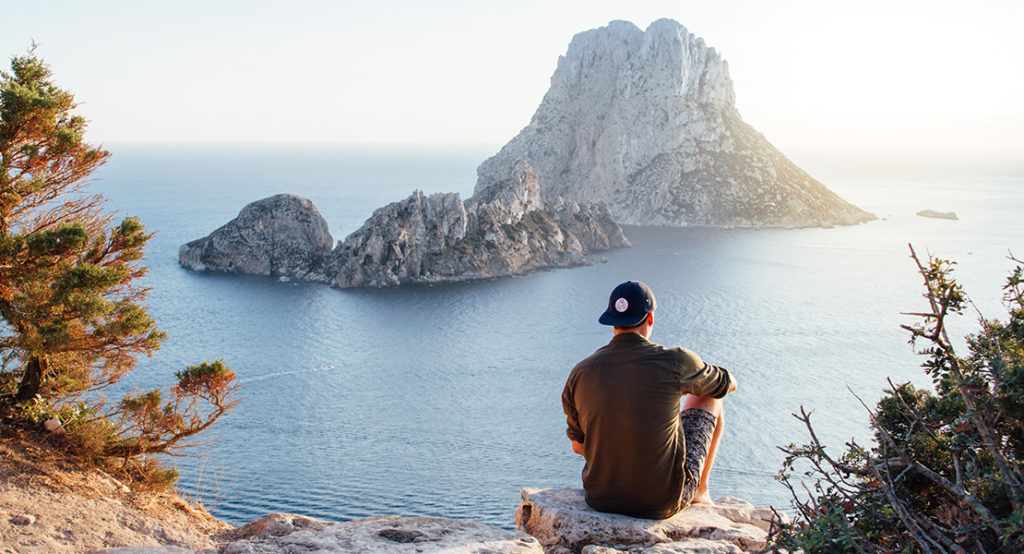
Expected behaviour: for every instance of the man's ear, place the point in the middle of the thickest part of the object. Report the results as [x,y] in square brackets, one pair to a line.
[650,318]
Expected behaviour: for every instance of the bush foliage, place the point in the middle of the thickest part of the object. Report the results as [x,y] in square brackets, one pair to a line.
[944,474]
[73,322]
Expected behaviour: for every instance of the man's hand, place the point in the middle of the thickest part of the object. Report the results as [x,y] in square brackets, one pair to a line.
[577,447]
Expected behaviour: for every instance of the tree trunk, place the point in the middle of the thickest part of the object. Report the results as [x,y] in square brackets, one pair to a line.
[32,380]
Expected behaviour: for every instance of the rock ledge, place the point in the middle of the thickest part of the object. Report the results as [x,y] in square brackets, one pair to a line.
[286,533]
[561,520]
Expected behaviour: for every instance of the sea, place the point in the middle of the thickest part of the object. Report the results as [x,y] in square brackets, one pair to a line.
[444,400]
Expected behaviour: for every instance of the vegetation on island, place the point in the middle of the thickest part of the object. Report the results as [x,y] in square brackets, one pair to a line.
[73,322]
[944,474]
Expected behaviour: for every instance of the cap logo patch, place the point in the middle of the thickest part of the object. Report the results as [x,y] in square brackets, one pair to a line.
[621,304]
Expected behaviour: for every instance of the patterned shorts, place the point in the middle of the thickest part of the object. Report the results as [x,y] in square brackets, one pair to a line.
[698,427]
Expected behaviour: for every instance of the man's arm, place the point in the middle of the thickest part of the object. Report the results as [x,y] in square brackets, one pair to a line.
[577,447]
[572,418]
[711,381]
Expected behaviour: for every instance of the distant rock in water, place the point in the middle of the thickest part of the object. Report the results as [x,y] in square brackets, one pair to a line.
[506,229]
[938,215]
[646,122]
[283,235]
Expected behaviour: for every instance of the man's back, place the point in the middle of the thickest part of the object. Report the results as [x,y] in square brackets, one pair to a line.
[622,403]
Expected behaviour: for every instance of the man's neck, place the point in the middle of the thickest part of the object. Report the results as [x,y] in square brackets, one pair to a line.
[644,331]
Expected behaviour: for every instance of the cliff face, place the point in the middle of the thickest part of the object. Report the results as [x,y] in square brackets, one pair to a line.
[505,229]
[646,122]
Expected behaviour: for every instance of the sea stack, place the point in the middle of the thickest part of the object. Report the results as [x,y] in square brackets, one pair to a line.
[646,121]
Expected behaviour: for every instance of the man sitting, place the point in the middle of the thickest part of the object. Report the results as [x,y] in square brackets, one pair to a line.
[644,458]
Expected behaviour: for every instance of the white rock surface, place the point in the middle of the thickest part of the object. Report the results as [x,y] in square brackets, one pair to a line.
[646,121]
[286,533]
[561,520]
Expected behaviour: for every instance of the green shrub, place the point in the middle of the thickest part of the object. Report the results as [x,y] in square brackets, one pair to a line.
[944,473]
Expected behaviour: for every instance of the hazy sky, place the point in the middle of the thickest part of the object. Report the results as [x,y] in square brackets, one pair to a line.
[807,74]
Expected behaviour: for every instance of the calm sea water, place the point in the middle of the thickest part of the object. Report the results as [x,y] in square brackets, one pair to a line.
[444,400]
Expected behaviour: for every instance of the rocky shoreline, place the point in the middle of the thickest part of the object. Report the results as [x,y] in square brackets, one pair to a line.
[49,503]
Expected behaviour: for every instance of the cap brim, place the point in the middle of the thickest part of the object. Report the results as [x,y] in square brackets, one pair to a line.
[619,321]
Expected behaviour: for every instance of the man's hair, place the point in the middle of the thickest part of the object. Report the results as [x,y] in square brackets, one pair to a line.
[634,326]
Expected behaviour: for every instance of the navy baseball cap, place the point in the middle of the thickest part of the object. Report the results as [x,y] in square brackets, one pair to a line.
[628,305]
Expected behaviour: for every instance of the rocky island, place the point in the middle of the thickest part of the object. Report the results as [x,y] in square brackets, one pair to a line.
[646,121]
[283,235]
[505,229]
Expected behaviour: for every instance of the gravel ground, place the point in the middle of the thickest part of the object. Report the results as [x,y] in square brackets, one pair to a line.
[49,503]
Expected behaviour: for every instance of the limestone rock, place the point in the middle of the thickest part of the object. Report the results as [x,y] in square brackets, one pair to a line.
[505,229]
[283,235]
[281,533]
[561,520]
[646,122]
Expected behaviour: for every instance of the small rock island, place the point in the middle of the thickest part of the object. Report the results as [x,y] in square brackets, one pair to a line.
[283,235]
[937,214]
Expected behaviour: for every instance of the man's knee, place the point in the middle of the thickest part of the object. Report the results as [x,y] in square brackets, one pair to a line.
[713,405]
